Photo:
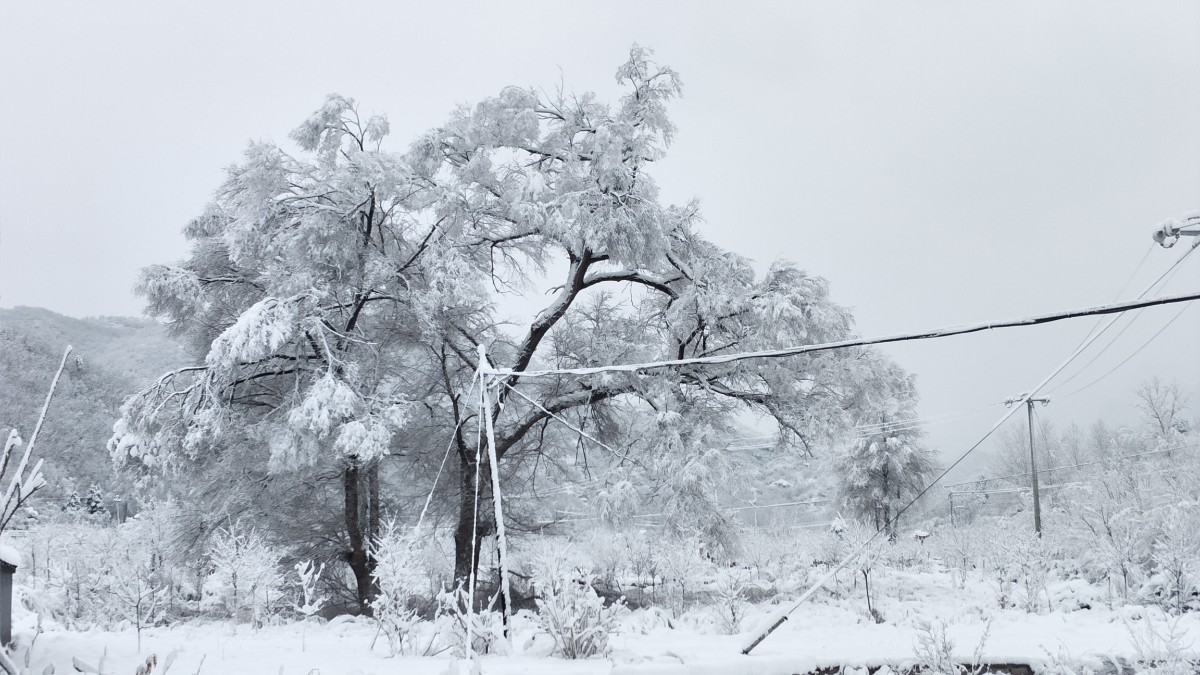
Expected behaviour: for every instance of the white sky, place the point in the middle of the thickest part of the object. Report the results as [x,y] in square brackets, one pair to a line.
[938,162]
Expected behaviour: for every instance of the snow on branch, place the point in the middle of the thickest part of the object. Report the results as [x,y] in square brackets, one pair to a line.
[22,484]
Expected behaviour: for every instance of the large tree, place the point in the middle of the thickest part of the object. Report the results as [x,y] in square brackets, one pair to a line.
[339,298]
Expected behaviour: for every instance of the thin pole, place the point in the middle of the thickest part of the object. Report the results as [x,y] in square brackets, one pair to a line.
[487,378]
[1037,498]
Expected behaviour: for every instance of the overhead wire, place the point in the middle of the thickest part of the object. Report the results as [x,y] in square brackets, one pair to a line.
[1130,357]
[1162,279]
[949,331]
[1011,411]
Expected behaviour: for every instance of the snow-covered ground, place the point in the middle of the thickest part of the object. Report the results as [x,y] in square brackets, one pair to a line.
[832,629]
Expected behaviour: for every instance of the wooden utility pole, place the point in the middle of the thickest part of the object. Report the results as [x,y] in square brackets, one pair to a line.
[1037,497]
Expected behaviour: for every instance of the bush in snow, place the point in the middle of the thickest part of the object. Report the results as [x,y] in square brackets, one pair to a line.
[570,611]
[1019,562]
[246,578]
[1161,648]
[778,561]
[730,590]
[684,568]
[1176,556]
[399,578]
[308,576]
[934,652]
[485,626]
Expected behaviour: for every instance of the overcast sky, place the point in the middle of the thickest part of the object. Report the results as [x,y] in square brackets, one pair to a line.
[938,162]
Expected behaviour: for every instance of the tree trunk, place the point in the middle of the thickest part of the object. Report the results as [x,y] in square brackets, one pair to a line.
[357,557]
[466,551]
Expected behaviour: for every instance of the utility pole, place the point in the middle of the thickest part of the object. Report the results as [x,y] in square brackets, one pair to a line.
[1037,497]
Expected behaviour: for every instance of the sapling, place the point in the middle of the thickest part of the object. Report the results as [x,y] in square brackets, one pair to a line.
[309,576]
[398,578]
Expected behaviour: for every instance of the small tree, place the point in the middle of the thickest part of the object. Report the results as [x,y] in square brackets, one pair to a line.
[398,578]
[309,575]
[94,503]
[886,463]
[245,578]
[139,593]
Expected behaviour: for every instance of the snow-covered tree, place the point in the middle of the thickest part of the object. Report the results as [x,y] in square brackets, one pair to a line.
[295,293]
[885,464]
[246,577]
[338,297]
[1163,406]
[94,502]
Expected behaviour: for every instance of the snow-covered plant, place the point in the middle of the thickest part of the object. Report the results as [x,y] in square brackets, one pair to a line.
[308,576]
[571,612]
[1176,555]
[246,578]
[23,480]
[1161,648]
[483,625]
[780,562]
[729,602]
[346,281]
[139,594]
[877,471]
[94,502]
[1120,541]
[399,578]
[934,651]
[869,556]
[683,567]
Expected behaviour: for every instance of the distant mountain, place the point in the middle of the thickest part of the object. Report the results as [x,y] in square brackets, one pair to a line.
[112,358]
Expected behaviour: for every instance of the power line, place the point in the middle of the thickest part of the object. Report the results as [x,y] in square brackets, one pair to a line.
[1162,279]
[1135,353]
[1116,298]
[1100,310]
[1074,466]
[966,412]
[1017,489]
[853,554]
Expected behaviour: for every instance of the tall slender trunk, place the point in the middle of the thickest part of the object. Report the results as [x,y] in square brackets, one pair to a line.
[358,557]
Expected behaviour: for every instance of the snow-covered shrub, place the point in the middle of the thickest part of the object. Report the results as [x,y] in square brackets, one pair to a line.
[1020,564]
[730,589]
[1176,557]
[308,575]
[246,579]
[86,576]
[778,560]
[485,626]
[642,562]
[570,611]
[137,593]
[609,554]
[684,568]
[400,578]
[934,652]
[957,548]
[1161,648]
